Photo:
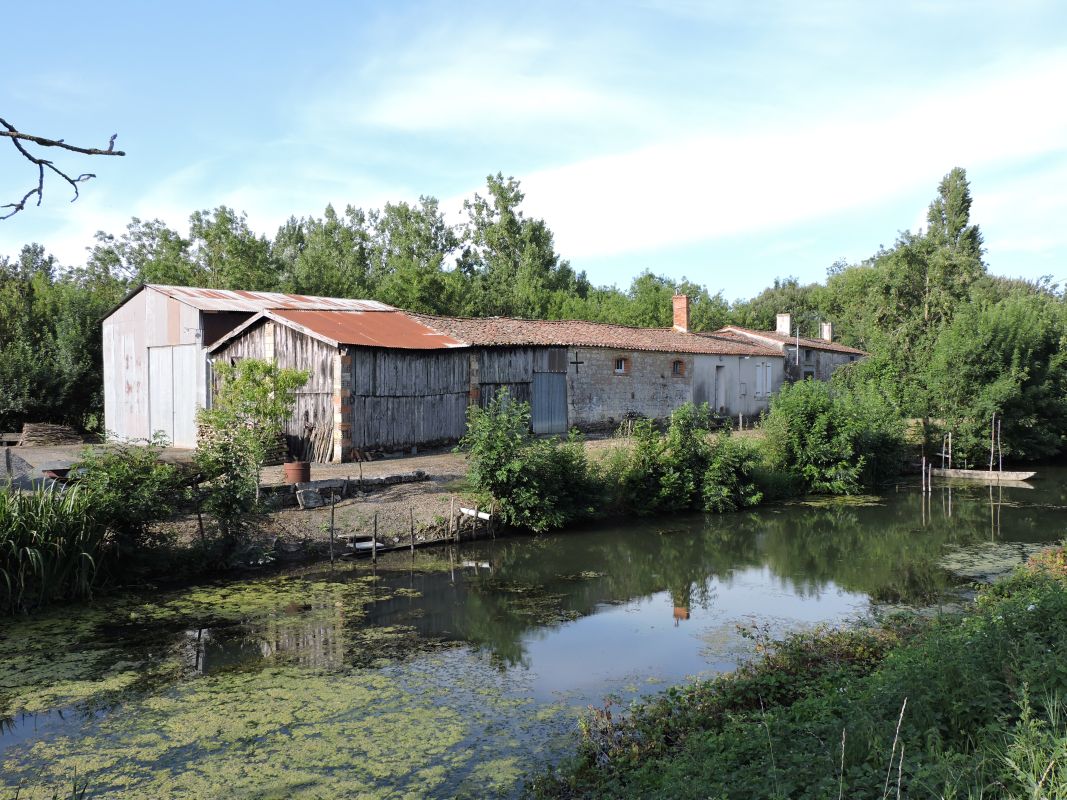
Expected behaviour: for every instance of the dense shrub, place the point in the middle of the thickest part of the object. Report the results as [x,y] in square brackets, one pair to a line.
[129,487]
[537,484]
[729,479]
[837,441]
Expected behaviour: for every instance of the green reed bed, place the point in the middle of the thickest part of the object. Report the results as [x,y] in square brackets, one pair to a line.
[50,541]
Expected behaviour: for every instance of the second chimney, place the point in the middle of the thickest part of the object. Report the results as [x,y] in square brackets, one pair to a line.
[784,324]
[826,331]
[681,313]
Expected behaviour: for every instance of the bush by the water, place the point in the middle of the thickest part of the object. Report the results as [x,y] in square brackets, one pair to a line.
[537,484]
[968,705]
[49,547]
[540,484]
[129,488]
[686,469]
[836,440]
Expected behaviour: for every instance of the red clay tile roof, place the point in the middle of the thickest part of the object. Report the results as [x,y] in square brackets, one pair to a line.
[736,331]
[507,331]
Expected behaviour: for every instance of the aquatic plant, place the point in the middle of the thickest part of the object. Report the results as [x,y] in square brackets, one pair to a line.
[49,544]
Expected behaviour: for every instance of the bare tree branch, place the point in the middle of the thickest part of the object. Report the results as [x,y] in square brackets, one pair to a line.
[17,138]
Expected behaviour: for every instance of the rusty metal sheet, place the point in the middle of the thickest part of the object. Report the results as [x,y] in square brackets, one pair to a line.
[227,300]
[369,329]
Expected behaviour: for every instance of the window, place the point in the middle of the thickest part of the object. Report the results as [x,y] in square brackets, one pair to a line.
[807,355]
[678,368]
[851,359]
[764,382]
[622,366]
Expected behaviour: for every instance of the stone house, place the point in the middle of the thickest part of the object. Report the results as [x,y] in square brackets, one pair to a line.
[804,358]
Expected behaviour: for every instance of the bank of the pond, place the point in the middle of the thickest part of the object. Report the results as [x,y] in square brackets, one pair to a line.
[972,704]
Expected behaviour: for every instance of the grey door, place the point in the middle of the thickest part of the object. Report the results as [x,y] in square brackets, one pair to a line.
[548,410]
[702,379]
[720,389]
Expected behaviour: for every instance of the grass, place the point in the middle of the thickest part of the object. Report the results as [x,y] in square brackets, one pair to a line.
[49,541]
[972,705]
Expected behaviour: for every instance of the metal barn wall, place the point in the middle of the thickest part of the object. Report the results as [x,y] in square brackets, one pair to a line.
[406,398]
[126,370]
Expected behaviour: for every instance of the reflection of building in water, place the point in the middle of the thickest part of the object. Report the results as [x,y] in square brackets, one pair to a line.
[682,600]
[308,636]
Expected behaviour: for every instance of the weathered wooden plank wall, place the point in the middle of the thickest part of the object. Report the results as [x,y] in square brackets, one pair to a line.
[406,398]
[313,408]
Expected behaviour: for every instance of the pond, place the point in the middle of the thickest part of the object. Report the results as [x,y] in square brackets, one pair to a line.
[457,672]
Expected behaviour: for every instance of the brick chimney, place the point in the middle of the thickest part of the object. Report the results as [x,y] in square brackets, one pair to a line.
[826,331]
[784,324]
[681,313]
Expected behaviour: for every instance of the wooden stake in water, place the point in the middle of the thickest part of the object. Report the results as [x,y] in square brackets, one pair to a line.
[452,519]
[411,511]
[374,540]
[992,439]
[1000,447]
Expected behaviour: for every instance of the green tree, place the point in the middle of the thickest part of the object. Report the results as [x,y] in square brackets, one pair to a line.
[1008,359]
[511,258]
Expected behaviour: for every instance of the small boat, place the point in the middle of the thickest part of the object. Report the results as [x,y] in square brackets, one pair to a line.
[983,475]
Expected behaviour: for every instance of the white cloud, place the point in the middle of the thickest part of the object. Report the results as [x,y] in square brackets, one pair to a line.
[743,181]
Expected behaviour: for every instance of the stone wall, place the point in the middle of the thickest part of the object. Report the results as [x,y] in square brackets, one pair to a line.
[598,397]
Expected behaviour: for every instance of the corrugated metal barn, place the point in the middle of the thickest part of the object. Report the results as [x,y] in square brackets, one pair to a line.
[155,353]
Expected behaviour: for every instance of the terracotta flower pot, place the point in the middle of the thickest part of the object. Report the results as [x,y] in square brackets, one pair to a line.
[297,472]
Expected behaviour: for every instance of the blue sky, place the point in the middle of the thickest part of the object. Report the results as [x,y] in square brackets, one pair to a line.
[730,143]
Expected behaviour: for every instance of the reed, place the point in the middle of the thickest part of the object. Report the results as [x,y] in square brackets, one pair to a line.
[50,541]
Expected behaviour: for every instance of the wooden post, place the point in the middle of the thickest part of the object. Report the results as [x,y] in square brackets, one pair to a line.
[374,541]
[361,476]
[992,439]
[411,511]
[922,484]
[333,505]
[452,519]
[950,449]
[492,519]
[1000,447]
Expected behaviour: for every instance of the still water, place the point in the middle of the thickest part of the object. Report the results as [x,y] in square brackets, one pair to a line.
[456,673]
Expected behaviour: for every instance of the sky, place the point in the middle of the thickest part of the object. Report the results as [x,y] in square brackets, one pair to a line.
[729,143]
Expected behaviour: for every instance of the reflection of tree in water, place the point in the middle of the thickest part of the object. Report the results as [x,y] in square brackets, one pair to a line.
[882,550]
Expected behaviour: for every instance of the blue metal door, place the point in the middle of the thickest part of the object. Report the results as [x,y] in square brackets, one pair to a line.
[548,410]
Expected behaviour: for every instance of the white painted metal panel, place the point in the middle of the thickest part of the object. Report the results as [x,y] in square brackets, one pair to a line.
[185,361]
[703,378]
[161,390]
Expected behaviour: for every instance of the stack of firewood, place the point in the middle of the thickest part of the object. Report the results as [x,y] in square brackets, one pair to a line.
[45,434]
[277,451]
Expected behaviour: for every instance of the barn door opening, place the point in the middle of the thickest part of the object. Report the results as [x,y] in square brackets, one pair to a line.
[720,389]
[548,410]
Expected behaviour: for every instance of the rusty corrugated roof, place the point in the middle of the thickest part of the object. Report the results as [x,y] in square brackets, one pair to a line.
[228,300]
[507,331]
[812,344]
[392,329]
